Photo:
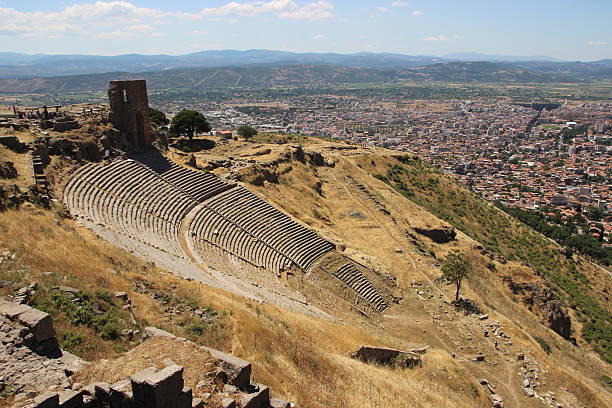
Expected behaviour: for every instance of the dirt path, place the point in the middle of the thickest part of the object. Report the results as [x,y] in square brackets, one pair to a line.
[420,320]
[384,226]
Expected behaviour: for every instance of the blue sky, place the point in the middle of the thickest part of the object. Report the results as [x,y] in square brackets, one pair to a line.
[567,29]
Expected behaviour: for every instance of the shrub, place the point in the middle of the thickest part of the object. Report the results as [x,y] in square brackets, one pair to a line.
[70,340]
[544,344]
[196,329]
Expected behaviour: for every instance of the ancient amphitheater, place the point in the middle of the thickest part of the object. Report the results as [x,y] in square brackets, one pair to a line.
[204,228]
[180,217]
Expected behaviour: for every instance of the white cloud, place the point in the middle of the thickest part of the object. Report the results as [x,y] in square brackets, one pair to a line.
[399,4]
[597,43]
[318,10]
[318,37]
[416,12]
[382,9]
[82,18]
[198,32]
[442,37]
[108,19]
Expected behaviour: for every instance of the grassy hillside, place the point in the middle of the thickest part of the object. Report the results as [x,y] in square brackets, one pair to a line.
[575,282]
[301,358]
[305,359]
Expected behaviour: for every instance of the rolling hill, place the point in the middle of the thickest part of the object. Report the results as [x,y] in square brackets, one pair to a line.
[15,65]
[262,76]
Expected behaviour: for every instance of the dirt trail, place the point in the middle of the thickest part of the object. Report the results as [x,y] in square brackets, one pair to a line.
[383,225]
[418,321]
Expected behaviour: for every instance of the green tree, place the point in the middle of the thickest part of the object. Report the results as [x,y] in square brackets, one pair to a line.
[454,269]
[246,131]
[158,118]
[188,122]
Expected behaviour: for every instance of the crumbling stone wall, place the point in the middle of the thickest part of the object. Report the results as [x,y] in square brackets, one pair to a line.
[129,113]
[37,371]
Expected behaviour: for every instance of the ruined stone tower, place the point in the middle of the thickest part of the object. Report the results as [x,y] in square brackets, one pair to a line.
[129,106]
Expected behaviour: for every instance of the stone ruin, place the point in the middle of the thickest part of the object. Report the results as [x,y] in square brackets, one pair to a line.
[389,357]
[34,368]
[129,113]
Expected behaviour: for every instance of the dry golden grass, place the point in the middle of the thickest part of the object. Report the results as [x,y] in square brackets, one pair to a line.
[301,358]
[22,164]
[568,366]
[196,362]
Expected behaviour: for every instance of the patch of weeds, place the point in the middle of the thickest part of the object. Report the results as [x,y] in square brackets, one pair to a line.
[105,296]
[543,344]
[103,318]
[70,340]
[269,359]
[192,303]
[197,329]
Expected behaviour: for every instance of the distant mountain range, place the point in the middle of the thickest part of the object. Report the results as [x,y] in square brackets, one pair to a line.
[15,65]
[308,75]
[476,56]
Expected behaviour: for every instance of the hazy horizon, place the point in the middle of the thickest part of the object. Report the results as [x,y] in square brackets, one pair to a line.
[556,29]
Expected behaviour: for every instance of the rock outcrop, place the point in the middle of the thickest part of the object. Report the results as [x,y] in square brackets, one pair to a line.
[542,297]
[441,235]
[387,356]
[7,170]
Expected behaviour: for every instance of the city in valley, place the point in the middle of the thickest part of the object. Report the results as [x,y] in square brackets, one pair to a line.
[305,204]
[551,156]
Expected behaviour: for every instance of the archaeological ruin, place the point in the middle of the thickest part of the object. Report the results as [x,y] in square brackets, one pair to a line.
[201,226]
[129,105]
[36,368]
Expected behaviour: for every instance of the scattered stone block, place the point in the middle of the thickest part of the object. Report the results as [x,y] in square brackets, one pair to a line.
[238,370]
[497,401]
[197,403]
[479,357]
[259,398]
[483,317]
[46,400]
[102,392]
[12,310]
[228,403]
[121,296]
[230,389]
[71,399]
[39,322]
[120,393]
[69,290]
[520,356]
[72,364]
[529,391]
